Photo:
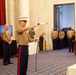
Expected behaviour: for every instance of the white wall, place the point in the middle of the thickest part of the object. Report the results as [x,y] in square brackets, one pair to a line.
[40,12]
[12,15]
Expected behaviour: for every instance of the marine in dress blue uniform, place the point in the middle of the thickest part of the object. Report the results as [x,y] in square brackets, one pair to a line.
[23,39]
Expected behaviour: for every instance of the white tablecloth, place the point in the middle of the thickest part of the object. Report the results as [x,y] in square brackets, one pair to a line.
[33,48]
[71,70]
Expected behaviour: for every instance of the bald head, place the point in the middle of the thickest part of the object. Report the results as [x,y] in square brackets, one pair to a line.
[70,28]
[6,26]
[54,29]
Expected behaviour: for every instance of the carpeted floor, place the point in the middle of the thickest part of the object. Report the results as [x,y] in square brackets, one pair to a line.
[48,63]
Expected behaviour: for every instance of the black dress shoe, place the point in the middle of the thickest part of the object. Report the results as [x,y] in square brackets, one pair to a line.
[5,64]
[10,63]
[69,51]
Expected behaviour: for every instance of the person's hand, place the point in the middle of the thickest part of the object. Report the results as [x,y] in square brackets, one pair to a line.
[35,40]
[9,42]
[38,23]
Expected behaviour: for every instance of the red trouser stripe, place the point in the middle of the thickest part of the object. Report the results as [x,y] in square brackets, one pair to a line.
[19,58]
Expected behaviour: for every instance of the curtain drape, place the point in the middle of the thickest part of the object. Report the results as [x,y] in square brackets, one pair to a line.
[2,12]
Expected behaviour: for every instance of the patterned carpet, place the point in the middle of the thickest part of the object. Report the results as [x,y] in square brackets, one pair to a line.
[48,63]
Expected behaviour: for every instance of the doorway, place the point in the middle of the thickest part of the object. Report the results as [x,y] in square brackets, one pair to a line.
[64,18]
